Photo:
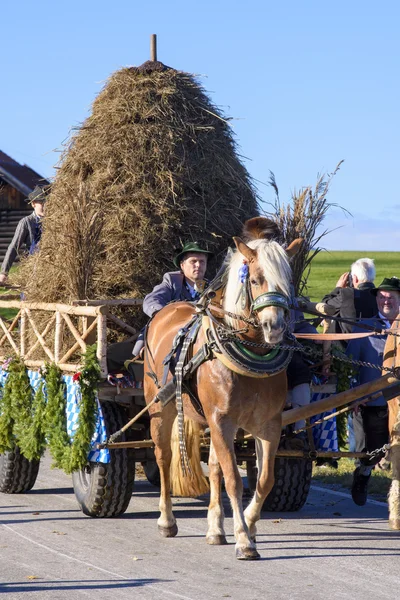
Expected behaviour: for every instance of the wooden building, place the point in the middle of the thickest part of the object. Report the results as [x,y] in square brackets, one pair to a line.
[16,182]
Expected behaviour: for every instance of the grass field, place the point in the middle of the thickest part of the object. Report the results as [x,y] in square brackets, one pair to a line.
[328,266]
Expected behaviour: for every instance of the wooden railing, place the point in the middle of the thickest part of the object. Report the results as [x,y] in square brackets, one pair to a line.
[26,337]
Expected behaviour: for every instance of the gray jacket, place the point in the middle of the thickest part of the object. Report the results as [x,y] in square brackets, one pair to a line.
[171,288]
[24,236]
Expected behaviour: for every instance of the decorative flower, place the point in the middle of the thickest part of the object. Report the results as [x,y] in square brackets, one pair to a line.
[6,363]
[76,376]
[243,272]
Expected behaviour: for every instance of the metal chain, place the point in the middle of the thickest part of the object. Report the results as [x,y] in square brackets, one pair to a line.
[309,352]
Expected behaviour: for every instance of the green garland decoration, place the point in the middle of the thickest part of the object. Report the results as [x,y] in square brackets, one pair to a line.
[15,405]
[30,436]
[27,420]
[67,455]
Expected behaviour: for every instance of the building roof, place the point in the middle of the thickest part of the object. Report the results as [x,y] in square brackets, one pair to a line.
[21,177]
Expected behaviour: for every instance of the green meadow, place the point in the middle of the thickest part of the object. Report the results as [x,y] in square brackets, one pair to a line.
[328,266]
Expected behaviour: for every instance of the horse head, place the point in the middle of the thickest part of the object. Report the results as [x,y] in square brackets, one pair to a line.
[260,271]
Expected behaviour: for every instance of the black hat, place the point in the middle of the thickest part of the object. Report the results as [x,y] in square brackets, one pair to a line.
[389,284]
[39,194]
[189,247]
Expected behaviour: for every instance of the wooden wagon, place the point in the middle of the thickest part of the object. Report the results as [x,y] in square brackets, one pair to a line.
[104,484]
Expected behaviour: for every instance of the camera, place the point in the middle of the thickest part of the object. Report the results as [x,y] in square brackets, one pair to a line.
[350,280]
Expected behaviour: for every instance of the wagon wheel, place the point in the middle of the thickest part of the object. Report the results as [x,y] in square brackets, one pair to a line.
[105,489]
[292,479]
[17,473]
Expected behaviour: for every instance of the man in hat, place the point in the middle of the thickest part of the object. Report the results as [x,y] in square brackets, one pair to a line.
[185,284]
[371,431]
[28,232]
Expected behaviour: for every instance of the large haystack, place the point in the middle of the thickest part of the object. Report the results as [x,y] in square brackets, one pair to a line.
[152,167]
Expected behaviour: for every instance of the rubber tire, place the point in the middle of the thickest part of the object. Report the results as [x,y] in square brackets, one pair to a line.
[17,473]
[152,472]
[292,480]
[105,489]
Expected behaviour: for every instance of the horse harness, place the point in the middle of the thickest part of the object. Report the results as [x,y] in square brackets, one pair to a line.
[222,344]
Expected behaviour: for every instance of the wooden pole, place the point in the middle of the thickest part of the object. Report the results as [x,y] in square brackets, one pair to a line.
[57,337]
[22,332]
[90,311]
[153,47]
[102,344]
[314,408]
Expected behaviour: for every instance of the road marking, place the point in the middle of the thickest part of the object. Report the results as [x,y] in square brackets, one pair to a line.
[344,495]
[87,564]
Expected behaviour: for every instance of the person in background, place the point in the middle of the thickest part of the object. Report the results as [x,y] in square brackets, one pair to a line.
[28,232]
[371,430]
[351,299]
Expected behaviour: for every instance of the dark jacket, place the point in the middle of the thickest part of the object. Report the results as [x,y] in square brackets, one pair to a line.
[24,238]
[298,370]
[171,288]
[352,303]
[369,349]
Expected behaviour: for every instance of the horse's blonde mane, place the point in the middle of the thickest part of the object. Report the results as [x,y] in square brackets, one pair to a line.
[273,261]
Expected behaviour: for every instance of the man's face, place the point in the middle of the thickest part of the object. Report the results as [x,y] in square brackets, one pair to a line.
[388,304]
[194,266]
[38,207]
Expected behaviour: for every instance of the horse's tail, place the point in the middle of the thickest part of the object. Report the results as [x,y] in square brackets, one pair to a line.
[192,483]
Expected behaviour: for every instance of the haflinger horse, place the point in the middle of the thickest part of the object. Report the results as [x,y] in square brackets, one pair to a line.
[392,359]
[236,387]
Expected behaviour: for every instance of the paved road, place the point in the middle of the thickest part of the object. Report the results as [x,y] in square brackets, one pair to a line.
[330,550]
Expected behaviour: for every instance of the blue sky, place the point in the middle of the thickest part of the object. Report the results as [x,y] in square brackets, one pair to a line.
[308,83]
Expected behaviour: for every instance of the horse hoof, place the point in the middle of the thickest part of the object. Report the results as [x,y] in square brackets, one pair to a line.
[247,554]
[168,531]
[216,540]
[394,524]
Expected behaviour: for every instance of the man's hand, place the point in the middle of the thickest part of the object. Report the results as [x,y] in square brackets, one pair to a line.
[343,280]
[3,277]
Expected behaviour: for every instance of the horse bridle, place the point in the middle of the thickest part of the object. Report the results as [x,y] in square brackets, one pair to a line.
[270,299]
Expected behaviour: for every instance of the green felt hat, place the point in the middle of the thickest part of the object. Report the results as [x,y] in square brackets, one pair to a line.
[389,284]
[189,247]
[38,194]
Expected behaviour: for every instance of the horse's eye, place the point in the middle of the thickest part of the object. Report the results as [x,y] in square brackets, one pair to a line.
[254,282]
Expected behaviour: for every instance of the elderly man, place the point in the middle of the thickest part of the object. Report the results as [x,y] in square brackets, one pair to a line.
[185,284]
[28,232]
[351,299]
[371,432]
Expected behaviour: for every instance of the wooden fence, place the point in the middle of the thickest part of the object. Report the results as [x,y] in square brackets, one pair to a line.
[86,322]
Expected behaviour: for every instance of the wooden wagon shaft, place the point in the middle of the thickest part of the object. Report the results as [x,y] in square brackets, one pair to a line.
[240,454]
[304,412]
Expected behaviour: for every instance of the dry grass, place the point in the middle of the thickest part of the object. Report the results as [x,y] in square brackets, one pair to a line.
[154,166]
[301,218]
